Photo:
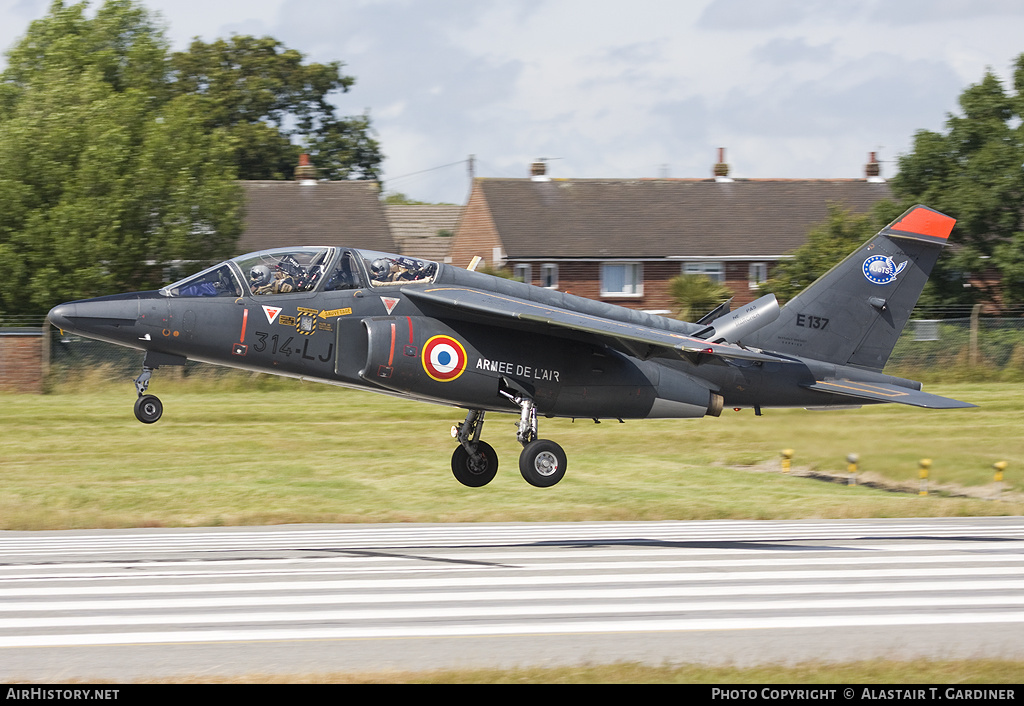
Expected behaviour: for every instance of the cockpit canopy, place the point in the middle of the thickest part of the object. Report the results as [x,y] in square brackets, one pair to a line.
[304,269]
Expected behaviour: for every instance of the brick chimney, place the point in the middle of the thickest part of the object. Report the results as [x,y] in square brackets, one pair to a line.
[721,170]
[306,173]
[539,171]
[873,170]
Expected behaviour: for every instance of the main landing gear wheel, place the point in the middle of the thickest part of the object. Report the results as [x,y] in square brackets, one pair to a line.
[475,470]
[148,409]
[542,463]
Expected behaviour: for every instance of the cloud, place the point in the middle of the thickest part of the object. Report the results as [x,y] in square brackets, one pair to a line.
[783,52]
[778,14]
[915,12]
[793,88]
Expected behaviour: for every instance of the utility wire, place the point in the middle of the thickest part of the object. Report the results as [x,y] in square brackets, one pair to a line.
[424,171]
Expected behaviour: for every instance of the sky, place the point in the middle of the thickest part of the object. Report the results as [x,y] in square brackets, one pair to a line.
[612,89]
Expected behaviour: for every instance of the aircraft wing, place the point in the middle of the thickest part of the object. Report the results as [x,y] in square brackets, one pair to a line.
[886,392]
[641,341]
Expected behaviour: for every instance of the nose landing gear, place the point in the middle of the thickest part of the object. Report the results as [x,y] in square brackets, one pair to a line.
[148,408]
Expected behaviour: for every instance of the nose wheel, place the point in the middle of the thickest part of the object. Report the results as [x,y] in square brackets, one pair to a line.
[148,409]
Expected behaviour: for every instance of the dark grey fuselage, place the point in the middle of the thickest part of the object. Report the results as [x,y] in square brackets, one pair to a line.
[374,337]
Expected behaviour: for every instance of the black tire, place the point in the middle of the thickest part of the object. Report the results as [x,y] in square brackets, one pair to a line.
[542,463]
[148,409]
[476,473]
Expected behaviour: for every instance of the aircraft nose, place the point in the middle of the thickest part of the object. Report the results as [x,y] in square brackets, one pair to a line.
[60,316]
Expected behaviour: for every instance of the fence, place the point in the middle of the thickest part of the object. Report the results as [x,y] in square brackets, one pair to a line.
[949,344]
[966,343]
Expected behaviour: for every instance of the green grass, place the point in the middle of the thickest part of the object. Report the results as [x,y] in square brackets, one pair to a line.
[236,449]
[896,673]
[244,450]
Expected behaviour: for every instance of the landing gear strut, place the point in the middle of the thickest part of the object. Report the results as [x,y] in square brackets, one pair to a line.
[474,462]
[542,462]
[148,408]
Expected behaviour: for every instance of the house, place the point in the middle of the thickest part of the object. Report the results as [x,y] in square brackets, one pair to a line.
[311,212]
[623,240]
[423,230]
[307,211]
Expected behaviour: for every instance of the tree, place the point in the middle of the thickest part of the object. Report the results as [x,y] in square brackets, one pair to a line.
[106,175]
[276,107]
[973,171]
[696,295]
[827,244]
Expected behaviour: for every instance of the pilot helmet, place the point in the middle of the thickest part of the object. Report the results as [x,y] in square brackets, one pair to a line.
[260,275]
[380,268]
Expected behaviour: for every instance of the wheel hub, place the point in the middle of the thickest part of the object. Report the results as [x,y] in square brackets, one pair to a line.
[546,463]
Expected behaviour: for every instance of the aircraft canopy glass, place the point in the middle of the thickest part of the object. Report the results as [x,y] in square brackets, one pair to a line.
[291,270]
[285,270]
[386,269]
[216,281]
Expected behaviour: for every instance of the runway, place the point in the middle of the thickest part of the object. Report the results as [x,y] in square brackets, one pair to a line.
[300,599]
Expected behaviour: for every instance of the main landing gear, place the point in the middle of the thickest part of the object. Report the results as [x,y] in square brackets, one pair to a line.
[542,463]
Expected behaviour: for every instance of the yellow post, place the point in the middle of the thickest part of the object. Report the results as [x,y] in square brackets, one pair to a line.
[1000,466]
[924,464]
[787,457]
[851,468]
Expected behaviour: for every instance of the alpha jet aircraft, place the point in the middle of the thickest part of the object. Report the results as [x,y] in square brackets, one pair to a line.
[409,327]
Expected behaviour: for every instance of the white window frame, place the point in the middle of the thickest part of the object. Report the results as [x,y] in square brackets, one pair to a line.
[633,279]
[712,269]
[549,275]
[757,274]
[523,271]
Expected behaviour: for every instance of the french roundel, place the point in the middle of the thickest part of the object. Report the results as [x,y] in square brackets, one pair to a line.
[444,358]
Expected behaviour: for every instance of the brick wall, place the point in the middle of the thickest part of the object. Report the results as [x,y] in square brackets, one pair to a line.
[22,360]
[475,234]
[583,278]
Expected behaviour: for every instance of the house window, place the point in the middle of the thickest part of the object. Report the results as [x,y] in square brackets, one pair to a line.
[523,273]
[715,271]
[549,275]
[622,279]
[758,274]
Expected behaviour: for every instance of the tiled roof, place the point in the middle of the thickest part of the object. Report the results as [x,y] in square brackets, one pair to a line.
[416,229]
[284,213]
[576,218]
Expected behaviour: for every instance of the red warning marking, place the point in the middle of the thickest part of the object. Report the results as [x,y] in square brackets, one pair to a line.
[271,312]
[391,357]
[924,221]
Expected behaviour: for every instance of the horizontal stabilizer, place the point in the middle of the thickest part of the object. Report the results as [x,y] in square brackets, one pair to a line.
[885,392]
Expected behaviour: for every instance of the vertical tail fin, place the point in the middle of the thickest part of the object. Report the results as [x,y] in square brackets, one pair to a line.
[854,313]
